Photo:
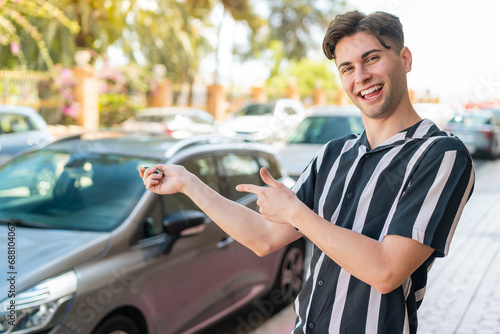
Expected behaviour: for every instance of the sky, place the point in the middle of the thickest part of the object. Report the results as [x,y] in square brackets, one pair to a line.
[454,43]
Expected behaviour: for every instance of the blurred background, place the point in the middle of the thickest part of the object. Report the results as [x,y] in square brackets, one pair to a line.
[93,64]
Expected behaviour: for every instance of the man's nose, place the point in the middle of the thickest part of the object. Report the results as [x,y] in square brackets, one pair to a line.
[362,75]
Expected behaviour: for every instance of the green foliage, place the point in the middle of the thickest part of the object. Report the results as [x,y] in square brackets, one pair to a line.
[306,75]
[121,92]
[22,18]
[293,24]
[114,109]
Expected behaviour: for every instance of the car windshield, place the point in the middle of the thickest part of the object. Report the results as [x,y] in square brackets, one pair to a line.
[155,118]
[471,120]
[256,110]
[196,118]
[322,129]
[70,190]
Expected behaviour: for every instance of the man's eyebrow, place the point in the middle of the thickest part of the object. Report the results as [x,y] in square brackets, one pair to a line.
[369,52]
[364,55]
[345,63]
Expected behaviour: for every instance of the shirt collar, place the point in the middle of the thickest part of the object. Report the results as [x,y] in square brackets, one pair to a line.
[421,130]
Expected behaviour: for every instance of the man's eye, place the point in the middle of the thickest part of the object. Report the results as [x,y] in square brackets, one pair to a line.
[372,59]
[346,69]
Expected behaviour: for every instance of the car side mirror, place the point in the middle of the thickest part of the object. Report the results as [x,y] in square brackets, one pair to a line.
[176,224]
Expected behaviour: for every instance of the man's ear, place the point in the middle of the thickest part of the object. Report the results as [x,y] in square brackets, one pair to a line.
[407,58]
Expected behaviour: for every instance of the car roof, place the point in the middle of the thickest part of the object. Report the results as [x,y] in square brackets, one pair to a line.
[176,110]
[24,110]
[148,145]
[333,110]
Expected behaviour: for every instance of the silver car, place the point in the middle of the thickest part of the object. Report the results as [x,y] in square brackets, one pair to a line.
[322,124]
[479,130]
[21,128]
[90,250]
[266,122]
[177,121]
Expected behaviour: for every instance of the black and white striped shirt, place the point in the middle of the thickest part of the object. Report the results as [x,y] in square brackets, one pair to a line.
[414,185]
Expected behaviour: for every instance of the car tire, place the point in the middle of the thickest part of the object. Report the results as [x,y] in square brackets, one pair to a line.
[290,276]
[118,324]
[495,149]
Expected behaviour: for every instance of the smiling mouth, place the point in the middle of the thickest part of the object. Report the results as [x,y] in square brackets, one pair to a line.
[370,93]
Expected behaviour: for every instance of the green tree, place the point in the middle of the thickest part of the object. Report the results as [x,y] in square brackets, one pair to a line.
[20,20]
[306,75]
[176,33]
[292,31]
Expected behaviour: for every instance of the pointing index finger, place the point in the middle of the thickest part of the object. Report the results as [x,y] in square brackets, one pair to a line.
[249,188]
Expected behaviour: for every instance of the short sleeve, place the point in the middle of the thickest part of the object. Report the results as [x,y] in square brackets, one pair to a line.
[438,189]
[305,186]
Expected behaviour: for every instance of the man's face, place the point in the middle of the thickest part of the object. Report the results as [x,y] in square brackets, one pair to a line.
[373,77]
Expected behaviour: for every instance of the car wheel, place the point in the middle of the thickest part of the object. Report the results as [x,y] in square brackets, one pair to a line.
[495,149]
[493,153]
[291,275]
[117,325]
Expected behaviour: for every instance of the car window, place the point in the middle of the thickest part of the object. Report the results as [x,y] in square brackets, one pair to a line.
[205,168]
[269,162]
[153,224]
[202,118]
[10,123]
[155,118]
[289,111]
[322,129]
[239,168]
[471,120]
[256,110]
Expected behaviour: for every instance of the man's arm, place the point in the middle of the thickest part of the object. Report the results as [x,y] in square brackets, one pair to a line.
[385,265]
[243,224]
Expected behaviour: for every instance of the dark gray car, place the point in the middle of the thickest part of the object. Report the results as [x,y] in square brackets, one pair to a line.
[91,251]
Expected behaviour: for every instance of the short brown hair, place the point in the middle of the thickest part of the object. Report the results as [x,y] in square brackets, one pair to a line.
[378,24]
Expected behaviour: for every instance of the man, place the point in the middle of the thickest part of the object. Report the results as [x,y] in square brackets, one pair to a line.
[379,207]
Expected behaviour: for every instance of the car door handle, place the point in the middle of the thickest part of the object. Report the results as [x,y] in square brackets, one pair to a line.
[225,242]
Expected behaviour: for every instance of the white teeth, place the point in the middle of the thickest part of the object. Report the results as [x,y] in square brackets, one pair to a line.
[370,90]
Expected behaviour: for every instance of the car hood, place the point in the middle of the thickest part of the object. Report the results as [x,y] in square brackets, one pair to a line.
[42,254]
[245,124]
[295,157]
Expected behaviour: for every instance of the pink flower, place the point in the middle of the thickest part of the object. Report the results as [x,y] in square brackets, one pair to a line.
[15,48]
[71,110]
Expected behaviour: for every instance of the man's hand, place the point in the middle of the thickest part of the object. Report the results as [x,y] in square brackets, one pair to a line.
[169,181]
[277,202]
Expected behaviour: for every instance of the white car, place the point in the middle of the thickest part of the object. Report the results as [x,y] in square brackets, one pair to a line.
[322,124]
[177,121]
[267,122]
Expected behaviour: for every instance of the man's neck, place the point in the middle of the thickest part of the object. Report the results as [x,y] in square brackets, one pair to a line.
[380,130]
